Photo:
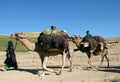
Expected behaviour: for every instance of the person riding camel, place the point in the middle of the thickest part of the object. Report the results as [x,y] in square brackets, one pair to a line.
[87,36]
[54,31]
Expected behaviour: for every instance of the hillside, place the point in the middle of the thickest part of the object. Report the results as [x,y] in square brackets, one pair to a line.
[5,38]
[33,38]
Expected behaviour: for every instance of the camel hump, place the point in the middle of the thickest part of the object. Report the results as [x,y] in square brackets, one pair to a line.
[99,39]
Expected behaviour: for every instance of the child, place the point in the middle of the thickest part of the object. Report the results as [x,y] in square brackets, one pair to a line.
[10,57]
[88,35]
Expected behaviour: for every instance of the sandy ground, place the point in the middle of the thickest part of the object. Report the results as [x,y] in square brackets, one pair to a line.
[29,64]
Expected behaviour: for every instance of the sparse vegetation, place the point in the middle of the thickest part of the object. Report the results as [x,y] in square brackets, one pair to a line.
[33,38]
[19,47]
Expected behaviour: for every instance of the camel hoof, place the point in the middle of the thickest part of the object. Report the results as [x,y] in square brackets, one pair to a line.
[41,74]
[58,73]
[70,70]
[89,67]
[99,67]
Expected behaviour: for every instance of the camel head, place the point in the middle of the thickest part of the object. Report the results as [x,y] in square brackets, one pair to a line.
[75,40]
[17,36]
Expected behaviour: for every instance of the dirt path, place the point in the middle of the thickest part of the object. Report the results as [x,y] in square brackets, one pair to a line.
[29,65]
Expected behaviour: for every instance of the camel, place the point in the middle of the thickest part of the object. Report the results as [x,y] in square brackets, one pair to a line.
[35,47]
[92,47]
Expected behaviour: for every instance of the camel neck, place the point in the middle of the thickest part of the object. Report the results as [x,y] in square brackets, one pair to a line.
[30,46]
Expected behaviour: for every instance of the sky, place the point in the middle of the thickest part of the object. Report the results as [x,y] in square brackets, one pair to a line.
[100,17]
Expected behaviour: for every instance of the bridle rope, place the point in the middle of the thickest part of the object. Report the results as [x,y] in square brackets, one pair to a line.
[16,44]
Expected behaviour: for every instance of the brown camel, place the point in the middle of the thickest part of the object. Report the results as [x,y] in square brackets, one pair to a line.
[43,55]
[92,47]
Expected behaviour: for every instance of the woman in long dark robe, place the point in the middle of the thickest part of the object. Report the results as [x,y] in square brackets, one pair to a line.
[10,60]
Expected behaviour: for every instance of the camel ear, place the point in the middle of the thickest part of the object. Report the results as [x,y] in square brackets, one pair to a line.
[11,35]
[22,35]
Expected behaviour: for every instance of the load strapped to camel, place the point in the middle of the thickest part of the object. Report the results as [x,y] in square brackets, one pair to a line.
[52,39]
[51,32]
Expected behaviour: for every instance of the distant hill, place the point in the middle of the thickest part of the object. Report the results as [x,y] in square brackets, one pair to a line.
[31,34]
[28,34]
[33,38]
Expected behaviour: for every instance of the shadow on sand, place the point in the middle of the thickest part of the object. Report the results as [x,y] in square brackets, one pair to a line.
[1,70]
[36,71]
[114,69]
[33,71]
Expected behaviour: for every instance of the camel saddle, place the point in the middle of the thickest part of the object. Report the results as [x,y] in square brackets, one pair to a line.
[94,41]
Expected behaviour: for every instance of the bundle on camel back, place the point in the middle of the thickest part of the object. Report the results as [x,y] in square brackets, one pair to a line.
[54,42]
[44,50]
[93,46]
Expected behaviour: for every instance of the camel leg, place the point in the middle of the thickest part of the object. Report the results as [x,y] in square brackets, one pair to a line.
[107,60]
[104,54]
[44,64]
[44,61]
[101,61]
[89,60]
[70,59]
[107,57]
[63,62]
